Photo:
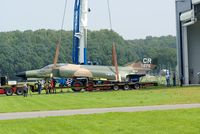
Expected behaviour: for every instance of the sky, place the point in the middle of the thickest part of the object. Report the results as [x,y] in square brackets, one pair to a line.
[132,19]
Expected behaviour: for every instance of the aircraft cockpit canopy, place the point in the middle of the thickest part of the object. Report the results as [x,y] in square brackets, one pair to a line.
[51,66]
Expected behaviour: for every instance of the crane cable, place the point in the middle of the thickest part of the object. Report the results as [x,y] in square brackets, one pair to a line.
[63,20]
[114,54]
[109,13]
[60,38]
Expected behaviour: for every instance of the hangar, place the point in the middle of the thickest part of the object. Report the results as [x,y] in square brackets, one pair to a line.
[188,40]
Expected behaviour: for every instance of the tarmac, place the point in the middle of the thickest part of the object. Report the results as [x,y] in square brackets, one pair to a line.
[39,114]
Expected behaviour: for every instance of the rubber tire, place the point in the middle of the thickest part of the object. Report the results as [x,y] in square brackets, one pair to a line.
[115,87]
[9,92]
[76,89]
[36,87]
[90,86]
[31,87]
[137,86]
[126,87]
[19,91]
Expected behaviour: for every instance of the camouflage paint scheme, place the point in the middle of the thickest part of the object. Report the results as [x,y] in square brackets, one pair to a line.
[72,70]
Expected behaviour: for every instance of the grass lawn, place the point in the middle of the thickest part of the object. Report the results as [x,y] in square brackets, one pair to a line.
[142,97]
[153,122]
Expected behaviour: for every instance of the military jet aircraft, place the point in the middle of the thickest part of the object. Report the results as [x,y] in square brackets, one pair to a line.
[74,71]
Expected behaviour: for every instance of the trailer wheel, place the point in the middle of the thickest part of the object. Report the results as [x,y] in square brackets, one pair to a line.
[31,87]
[126,87]
[9,92]
[77,86]
[90,86]
[115,87]
[36,87]
[137,86]
[19,91]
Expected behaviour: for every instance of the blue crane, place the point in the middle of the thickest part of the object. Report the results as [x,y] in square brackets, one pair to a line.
[79,50]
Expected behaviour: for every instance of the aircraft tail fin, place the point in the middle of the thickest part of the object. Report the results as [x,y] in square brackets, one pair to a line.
[56,55]
[114,61]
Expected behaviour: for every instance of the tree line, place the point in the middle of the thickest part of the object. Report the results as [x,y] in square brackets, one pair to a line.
[29,49]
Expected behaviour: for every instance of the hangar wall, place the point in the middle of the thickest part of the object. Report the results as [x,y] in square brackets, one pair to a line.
[188,40]
[193,33]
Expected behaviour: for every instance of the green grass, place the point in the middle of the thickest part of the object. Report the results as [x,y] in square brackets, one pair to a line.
[152,122]
[178,95]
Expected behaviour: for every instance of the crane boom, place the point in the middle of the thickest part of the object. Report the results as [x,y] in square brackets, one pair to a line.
[83,31]
[76,30]
[79,54]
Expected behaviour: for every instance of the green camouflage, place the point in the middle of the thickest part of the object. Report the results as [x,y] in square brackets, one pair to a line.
[72,70]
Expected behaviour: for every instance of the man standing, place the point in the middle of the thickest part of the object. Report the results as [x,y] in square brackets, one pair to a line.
[25,90]
[39,87]
[53,85]
[174,79]
[168,77]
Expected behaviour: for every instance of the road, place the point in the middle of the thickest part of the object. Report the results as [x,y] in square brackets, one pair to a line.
[22,115]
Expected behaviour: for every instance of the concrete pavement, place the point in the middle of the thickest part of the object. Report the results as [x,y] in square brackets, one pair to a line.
[22,115]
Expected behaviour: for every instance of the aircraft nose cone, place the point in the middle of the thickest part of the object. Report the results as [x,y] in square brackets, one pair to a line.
[21,74]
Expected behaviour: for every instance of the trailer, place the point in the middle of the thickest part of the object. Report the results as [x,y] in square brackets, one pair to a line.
[80,84]
[12,87]
[86,84]
[107,85]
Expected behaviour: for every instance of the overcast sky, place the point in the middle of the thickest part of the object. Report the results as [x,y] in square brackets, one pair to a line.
[132,19]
